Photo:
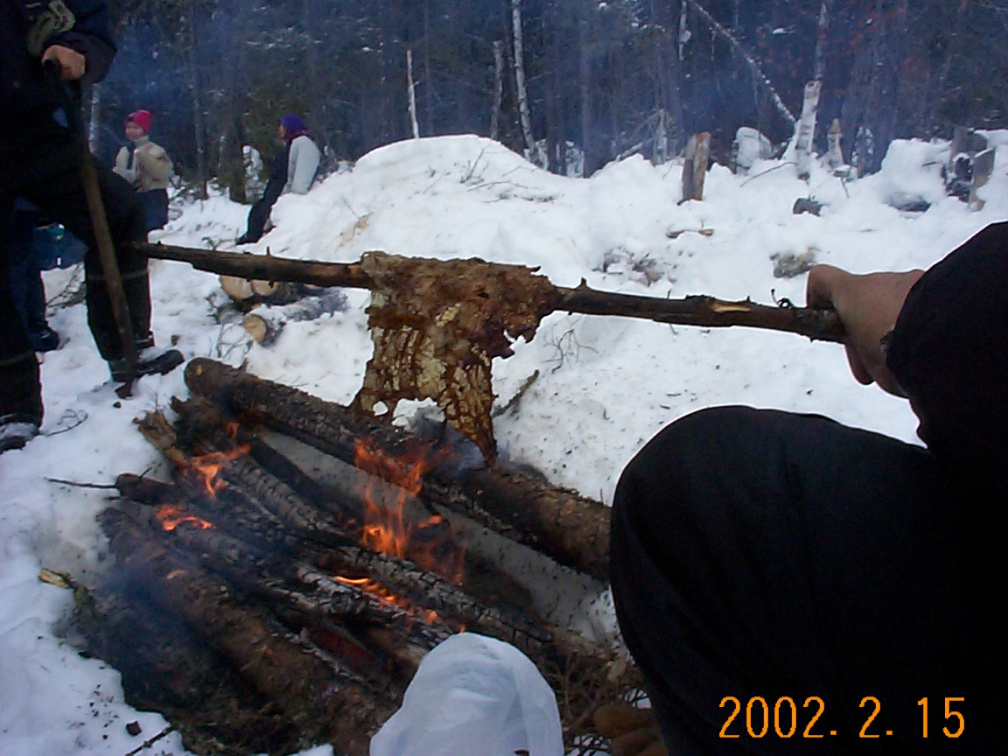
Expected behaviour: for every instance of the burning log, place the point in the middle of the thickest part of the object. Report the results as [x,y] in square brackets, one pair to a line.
[569,528]
[421,587]
[236,557]
[437,325]
[288,670]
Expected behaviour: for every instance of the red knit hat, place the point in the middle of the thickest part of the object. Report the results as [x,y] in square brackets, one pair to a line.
[141,118]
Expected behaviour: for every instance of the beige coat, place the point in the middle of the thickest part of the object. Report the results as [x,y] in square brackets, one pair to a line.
[150,168]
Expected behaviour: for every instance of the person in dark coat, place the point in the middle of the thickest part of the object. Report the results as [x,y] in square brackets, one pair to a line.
[38,162]
[788,584]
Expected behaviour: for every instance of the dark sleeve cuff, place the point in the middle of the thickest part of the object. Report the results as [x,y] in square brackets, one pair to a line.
[949,353]
[98,53]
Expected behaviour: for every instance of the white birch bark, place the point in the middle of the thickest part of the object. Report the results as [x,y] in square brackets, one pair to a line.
[519,64]
[412,93]
[835,154]
[806,129]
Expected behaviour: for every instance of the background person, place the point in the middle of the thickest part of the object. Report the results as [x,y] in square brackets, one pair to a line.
[147,167]
[293,170]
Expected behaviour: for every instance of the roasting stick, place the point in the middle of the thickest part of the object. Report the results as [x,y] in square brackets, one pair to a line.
[704,311]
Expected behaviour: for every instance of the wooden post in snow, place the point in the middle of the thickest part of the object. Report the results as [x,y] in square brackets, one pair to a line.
[806,129]
[695,166]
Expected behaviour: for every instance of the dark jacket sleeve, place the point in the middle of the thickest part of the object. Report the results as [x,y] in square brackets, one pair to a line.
[91,36]
[949,352]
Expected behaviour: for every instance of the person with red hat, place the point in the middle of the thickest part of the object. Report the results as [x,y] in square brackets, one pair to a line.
[147,167]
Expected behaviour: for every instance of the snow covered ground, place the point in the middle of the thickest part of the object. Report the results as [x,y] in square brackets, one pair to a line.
[605,385]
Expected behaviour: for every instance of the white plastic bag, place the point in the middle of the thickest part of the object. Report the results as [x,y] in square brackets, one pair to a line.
[473,695]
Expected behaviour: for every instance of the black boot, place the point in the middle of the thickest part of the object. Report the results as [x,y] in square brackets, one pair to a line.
[151,360]
[20,401]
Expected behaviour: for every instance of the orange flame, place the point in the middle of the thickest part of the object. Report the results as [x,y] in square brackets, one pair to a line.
[389,530]
[208,466]
[386,596]
[171,517]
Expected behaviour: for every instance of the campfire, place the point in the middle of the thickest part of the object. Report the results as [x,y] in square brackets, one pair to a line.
[281,589]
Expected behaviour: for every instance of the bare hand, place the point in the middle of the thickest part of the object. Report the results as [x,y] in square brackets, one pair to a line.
[868,306]
[71,63]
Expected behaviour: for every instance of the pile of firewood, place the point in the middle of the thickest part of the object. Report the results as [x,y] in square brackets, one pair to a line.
[266,604]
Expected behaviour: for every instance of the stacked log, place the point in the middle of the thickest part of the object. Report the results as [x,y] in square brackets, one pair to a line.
[568,527]
[268,570]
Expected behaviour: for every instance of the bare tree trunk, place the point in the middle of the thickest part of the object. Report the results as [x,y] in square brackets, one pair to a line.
[806,129]
[519,65]
[498,52]
[818,65]
[934,97]
[412,93]
[757,72]
[196,89]
[428,94]
[593,159]
[666,52]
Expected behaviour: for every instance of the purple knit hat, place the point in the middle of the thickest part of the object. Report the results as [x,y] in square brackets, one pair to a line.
[294,126]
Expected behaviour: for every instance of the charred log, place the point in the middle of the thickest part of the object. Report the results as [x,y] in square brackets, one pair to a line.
[322,700]
[422,588]
[167,667]
[572,529]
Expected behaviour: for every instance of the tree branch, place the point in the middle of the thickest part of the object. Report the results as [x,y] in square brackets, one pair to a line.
[701,310]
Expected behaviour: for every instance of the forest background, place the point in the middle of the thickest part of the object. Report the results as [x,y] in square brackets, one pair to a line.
[603,79]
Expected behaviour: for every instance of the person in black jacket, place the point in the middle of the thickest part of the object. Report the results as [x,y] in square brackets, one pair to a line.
[788,584]
[38,162]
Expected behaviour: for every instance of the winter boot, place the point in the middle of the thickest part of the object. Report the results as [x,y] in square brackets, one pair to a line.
[150,361]
[16,431]
[44,339]
[20,401]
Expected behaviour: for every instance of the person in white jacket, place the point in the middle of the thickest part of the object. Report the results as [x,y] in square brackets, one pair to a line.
[293,171]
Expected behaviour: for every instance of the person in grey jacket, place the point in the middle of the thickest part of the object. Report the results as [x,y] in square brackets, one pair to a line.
[293,170]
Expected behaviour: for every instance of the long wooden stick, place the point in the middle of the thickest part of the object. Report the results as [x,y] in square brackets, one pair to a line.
[705,311]
[99,224]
